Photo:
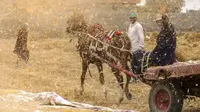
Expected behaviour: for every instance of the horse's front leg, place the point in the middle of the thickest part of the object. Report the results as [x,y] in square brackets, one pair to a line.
[127,92]
[126,89]
[84,71]
[101,78]
[124,64]
[119,78]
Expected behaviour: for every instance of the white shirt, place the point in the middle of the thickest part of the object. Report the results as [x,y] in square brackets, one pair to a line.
[136,36]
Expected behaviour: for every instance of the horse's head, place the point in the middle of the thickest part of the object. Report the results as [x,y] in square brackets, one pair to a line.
[76,23]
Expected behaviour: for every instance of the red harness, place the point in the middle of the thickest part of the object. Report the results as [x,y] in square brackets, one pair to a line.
[98,28]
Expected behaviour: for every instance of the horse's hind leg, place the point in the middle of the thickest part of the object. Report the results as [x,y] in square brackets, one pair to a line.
[84,70]
[127,92]
[119,78]
[101,78]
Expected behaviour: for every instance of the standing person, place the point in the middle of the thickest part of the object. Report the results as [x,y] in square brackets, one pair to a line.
[21,45]
[136,36]
[135,33]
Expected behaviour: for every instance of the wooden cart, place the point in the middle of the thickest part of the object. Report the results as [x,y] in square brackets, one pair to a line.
[171,84]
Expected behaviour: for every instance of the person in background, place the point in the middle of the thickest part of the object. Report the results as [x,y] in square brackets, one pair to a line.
[21,45]
[136,36]
[135,33]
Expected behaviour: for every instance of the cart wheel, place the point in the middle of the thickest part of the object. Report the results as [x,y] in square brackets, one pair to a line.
[165,97]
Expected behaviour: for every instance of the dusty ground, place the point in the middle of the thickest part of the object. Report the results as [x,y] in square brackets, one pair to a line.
[56,67]
[55,64]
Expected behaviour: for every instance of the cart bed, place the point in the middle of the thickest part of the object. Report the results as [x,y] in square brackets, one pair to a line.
[179,69]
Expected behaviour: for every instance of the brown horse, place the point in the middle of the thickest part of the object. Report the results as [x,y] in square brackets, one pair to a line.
[109,45]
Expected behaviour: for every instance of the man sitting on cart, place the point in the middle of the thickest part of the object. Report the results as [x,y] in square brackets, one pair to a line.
[164,52]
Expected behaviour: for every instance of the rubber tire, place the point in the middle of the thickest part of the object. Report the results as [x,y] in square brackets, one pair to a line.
[175,94]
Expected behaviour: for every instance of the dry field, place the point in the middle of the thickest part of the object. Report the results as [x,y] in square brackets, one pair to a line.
[56,67]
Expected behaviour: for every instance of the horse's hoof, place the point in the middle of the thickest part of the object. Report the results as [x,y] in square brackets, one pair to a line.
[120,100]
[81,92]
[106,96]
[129,96]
